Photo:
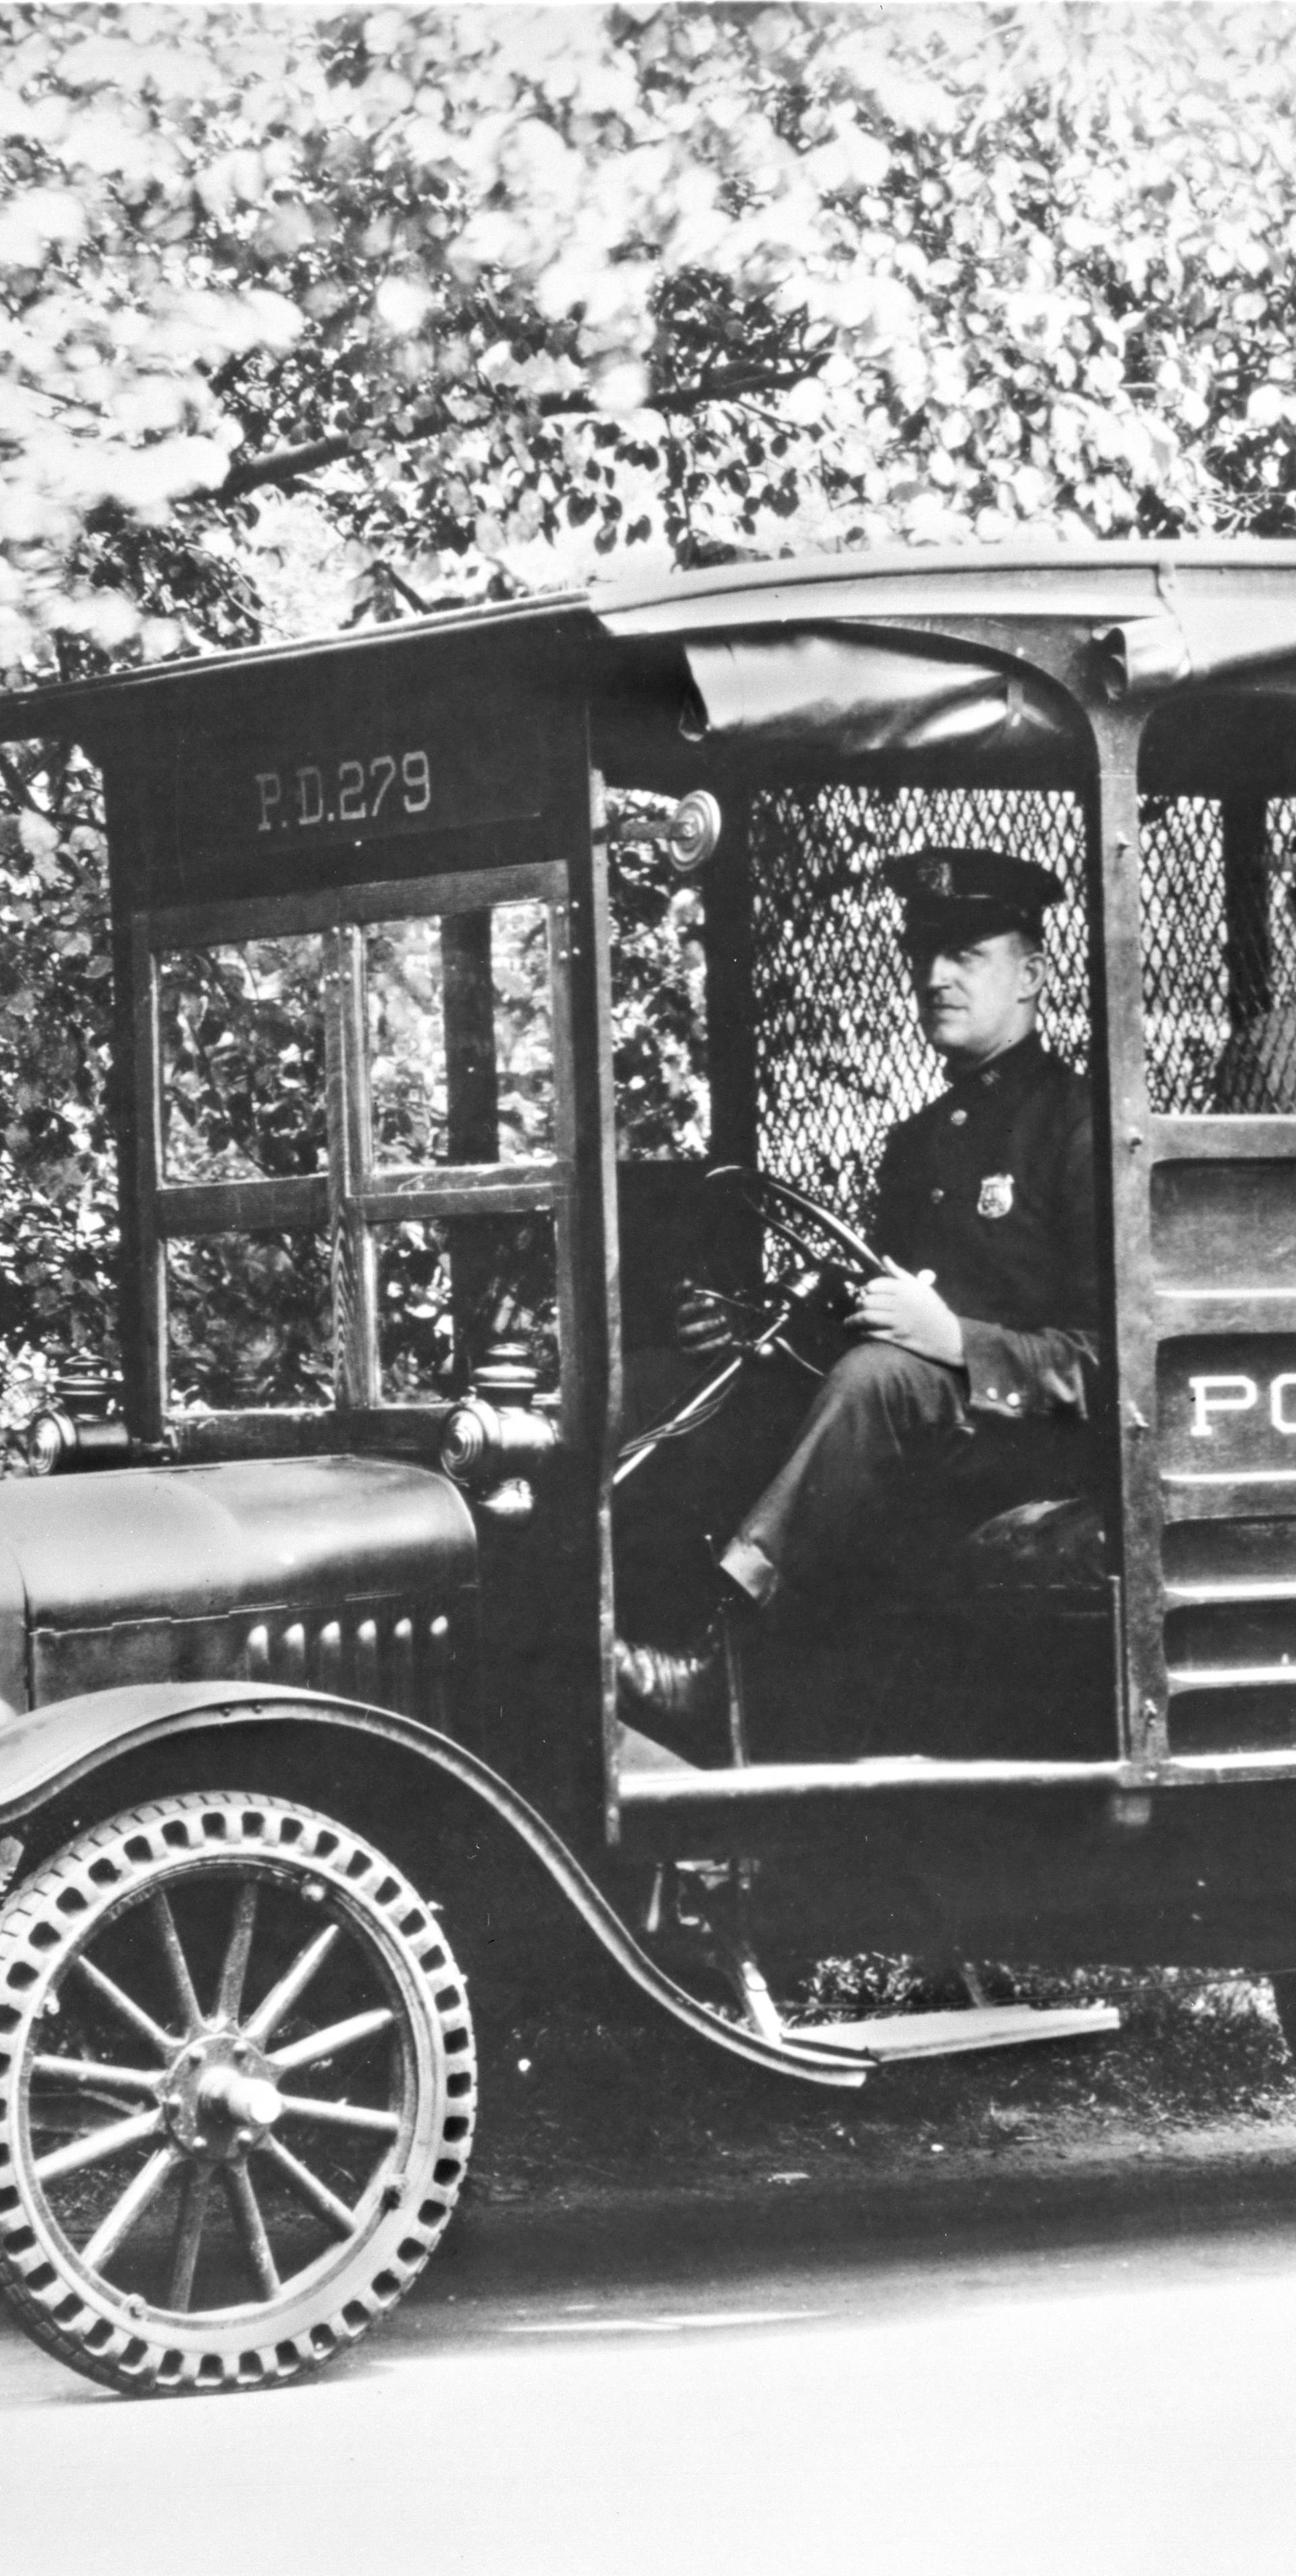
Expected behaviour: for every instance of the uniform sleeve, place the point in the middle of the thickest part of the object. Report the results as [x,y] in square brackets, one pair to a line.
[1020,1374]
[1052,1369]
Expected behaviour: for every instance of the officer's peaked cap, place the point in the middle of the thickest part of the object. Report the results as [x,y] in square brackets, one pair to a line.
[972,893]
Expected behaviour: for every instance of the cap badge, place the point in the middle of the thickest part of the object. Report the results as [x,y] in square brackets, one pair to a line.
[996,1194]
[935,876]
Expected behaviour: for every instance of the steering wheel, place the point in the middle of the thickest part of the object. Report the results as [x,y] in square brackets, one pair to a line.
[831,1255]
[815,1233]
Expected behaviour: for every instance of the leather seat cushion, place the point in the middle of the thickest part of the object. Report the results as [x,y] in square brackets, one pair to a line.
[1044,1546]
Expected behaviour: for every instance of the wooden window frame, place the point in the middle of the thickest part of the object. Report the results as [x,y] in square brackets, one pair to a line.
[351,1198]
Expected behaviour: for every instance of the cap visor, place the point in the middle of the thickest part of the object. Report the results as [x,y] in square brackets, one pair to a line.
[966,922]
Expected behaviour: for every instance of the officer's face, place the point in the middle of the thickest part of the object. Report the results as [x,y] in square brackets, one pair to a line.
[975,1001]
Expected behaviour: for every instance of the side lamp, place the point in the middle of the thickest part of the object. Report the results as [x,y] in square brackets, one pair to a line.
[494,1443]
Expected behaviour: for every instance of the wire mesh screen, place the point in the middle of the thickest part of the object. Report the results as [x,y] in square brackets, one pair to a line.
[838,1050]
[1186,1022]
[1219,956]
[839,1054]
[1259,1070]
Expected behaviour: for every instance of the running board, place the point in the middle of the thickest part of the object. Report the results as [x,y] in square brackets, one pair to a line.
[889,2036]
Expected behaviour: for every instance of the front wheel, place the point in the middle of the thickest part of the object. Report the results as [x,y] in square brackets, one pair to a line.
[237,2092]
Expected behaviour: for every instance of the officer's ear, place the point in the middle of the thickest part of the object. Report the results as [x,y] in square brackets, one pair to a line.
[1032,970]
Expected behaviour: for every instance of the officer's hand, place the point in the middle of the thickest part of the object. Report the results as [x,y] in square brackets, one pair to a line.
[703,1323]
[906,1309]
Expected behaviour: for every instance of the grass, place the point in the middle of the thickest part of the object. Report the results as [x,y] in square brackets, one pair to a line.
[1194,2043]
[576,2097]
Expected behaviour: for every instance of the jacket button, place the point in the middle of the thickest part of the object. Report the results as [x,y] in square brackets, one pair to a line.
[937,1196]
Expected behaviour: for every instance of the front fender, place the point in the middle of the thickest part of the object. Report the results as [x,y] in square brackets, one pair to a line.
[53,1748]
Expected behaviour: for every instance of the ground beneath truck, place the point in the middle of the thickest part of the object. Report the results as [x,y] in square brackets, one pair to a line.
[579,2101]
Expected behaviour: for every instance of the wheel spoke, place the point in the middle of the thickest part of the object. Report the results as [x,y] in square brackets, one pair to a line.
[331,2042]
[126,2212]
[108,2079]
[234,1967]
[339,2115]
[120,2003]
[247,2211]
[188,2236]
[293,1982]
[309,2188]
[176,1961]
[98,2145]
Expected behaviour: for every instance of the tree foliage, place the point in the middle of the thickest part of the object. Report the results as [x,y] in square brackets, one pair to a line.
[685,277]
[57,1216]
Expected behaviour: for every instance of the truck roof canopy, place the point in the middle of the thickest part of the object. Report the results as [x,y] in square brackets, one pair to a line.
[914,661]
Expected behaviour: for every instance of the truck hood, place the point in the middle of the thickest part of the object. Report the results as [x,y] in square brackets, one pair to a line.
[176,1549]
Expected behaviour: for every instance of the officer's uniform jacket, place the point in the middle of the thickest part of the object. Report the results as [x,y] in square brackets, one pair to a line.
[991,1187]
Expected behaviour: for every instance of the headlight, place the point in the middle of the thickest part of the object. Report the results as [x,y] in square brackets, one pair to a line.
[56,1443]
[493,1449]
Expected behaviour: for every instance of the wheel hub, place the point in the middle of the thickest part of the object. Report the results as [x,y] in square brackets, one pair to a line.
[220,2097]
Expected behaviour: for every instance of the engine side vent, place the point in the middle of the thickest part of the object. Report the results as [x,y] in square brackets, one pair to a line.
[393,1652]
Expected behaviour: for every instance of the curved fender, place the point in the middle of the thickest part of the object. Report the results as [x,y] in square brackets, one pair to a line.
[52,1748]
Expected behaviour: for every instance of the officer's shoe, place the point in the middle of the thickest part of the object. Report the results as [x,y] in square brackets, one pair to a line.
[679,1690]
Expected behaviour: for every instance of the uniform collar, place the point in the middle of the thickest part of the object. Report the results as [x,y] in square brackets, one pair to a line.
[1004,1073]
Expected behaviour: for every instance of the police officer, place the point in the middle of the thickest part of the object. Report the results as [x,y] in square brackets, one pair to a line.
[970,1357]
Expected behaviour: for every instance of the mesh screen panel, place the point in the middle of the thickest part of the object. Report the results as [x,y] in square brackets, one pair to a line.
[1185,966]
[1227,980]
[1219,956]
[839,1054]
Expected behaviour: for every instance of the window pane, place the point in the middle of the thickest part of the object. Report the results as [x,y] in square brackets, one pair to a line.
[242,1031]
[446,1292]
[460,1037]
[250,1320]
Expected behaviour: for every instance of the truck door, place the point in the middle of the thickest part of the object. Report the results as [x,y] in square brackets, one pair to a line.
[361,963]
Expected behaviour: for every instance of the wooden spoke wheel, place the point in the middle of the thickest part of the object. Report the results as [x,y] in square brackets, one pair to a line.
[237,2091]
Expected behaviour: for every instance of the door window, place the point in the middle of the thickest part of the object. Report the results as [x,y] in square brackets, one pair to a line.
[360,1175]
[460,1034]
[242,1039]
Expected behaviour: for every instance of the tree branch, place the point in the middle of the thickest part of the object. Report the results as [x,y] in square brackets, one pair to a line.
[380,572]
[723,384]
[19,789]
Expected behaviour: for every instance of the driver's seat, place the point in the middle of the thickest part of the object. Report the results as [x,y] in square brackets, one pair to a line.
[1037,1549]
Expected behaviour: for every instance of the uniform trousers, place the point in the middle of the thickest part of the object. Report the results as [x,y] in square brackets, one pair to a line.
[875,1479]
[881,1414]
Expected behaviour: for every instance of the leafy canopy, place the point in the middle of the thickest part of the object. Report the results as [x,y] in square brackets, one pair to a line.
[683,278]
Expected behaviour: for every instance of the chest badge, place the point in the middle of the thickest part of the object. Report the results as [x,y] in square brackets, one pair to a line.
[996,1194]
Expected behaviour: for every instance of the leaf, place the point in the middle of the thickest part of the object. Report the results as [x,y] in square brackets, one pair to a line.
[1266,405]
[403,303]
[38,835]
